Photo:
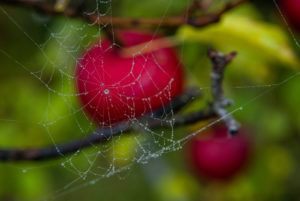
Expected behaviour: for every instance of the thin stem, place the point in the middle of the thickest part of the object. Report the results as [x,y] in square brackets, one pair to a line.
[124,22]
[220,102]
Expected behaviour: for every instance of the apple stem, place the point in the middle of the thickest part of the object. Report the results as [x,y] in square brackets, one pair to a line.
[220,102]
[150,46]
[114,39]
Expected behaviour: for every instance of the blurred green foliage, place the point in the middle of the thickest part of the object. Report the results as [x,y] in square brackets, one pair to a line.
[37,57]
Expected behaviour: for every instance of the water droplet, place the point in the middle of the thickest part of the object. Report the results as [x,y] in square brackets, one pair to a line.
[106,91]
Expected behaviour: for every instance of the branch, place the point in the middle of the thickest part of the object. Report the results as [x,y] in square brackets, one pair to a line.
[220,102]
[99,136]
[123,22]
[103,135]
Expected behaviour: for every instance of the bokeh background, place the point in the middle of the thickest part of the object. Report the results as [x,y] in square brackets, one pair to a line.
[263,79]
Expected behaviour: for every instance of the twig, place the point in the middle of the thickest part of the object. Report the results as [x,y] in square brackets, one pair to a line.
[103,135]
[195,5]
[109,32]
[124,22]
[205,4]
[150,46]
[97,137]
[220,102]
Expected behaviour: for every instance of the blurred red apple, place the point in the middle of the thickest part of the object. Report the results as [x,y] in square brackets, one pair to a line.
[114,88]
[218,157]
[291,11]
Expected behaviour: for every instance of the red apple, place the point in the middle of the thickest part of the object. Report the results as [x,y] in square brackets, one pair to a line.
[218,157]
[291,11]
[115,88]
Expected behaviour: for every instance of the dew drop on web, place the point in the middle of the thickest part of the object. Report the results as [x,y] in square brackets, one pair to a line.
[106,91]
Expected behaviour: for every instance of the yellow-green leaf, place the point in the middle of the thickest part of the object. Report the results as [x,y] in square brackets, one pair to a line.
[259,44]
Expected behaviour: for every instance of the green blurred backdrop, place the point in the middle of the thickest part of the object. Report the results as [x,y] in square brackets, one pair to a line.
[38,107]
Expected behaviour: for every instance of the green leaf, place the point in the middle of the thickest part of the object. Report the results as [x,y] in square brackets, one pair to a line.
[259,44]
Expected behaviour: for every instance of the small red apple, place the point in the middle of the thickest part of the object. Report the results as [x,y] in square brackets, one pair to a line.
[217,156]
[291,11]
[115,88]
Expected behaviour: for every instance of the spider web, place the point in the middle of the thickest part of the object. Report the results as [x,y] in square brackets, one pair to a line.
[54,71]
